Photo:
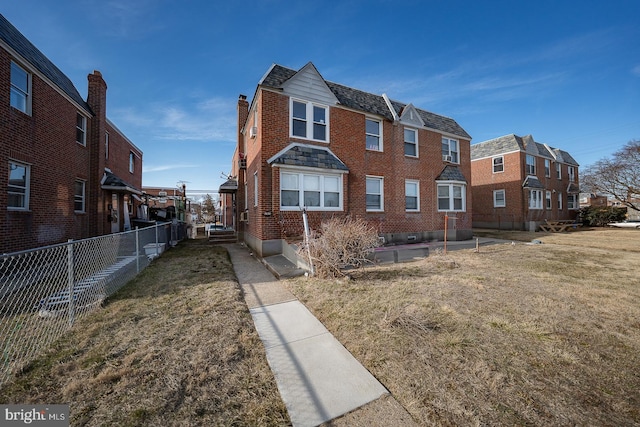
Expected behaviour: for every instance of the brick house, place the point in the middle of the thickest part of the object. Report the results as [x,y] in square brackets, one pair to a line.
[517,183]
[70,172]
[307,142]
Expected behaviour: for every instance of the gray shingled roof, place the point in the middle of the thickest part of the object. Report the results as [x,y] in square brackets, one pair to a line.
[12,37]
[451,173]
[307,156]
[496,146]
[366,102]
[111,180]
[532,182]
[511,142]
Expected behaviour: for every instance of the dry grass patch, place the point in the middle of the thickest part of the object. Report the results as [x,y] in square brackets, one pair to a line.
[514,335]
[176,346]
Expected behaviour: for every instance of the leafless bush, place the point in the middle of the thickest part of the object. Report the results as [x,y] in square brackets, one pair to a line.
[340,243]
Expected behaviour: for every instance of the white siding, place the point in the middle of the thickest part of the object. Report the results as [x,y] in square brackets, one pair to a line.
[309,85]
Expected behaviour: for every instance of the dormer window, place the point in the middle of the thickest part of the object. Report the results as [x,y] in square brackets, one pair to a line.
[309,121]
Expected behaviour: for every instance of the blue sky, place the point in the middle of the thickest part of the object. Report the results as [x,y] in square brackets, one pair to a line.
[567,72]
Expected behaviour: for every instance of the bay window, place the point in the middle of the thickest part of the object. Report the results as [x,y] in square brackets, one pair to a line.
[310,190]
[452,197]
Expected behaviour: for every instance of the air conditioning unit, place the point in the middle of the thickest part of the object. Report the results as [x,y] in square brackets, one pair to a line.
[253,132]
[162,194]
[446,158]
[242,163]
[244,216]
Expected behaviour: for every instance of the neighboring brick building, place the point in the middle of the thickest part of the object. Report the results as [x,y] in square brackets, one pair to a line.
[305,141]
[517,183]
[70,172]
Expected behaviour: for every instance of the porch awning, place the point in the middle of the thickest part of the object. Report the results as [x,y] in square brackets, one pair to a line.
[229,186]
[532,182]
[451,173]
[308,156]
[112,182]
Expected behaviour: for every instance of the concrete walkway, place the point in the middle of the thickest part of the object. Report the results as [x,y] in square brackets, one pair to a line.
[318,379]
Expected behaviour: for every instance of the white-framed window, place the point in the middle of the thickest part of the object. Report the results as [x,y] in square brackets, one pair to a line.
[375,194]
[452,197]
[572,201]
[412,195]
[530,165]
[132,162]
[498,164]
[499,200]
[410,142]
[20,88]
[313,191]
[81,129]
[548,200]
[106,145]
[79,195]
[18,186]
[535,199]
[373,131]
[559,201]
[450,150]
[255,188]
[309,120]
[547,168]
[559,170]
[572,173]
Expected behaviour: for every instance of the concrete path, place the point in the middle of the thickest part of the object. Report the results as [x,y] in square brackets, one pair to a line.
[318,379]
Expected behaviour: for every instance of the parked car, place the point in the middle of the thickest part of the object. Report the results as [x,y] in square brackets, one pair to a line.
[629,223]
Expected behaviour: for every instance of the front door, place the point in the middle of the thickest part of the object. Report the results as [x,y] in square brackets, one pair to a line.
[115,213]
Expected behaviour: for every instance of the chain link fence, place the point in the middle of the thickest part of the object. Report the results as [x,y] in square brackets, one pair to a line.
[44,291]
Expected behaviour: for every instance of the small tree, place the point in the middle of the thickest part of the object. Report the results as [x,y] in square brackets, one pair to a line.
[341,242]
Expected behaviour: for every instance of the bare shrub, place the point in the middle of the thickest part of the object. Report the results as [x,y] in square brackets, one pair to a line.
[341,242]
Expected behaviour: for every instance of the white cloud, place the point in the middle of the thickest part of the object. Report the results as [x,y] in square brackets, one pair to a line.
[208,120]
[162,168]
[636,70]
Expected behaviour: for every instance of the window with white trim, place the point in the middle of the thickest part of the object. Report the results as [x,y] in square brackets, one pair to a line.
[314,191]
[132,162]
[559,201]
[572,201]
[309,121]
[530,165]
[20,88]
[559,170]
[547,168]
[572,173]
[535,199]
[498,164]
[106,145]
[548,200]
[79,195]
[412,195]
[18,188]
[375,194]
[410,142]
[499,200]
[452,197]
[450,149]
[373,132]
[81,129]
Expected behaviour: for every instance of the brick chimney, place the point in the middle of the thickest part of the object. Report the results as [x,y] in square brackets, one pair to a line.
[97,100]
[243,114]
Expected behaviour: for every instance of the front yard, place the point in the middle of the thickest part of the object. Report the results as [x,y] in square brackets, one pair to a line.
[513,335]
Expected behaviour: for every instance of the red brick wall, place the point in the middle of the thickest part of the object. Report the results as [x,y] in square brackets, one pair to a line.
[347,141]
[516,213]
[46,140]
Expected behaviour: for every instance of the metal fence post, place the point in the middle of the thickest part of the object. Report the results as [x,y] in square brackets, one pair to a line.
[70,280]
[157,225]
[137,250]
